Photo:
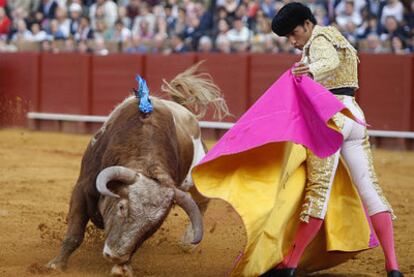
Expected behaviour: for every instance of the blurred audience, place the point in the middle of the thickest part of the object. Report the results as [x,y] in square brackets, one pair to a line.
[179,26]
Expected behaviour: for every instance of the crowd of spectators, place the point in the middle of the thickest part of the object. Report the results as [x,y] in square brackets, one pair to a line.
[178,26]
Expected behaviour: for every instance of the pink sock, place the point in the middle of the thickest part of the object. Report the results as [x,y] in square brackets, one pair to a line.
[304,235]
[382,224]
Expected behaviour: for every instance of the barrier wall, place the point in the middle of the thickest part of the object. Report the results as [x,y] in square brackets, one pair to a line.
[386,89]
[113,79]
[19,87]
[93,85]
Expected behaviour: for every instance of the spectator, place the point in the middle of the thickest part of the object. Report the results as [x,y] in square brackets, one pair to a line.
[84,31]
[38,34]
[54,32]
[133,9]
[374,45]
[268,7]
[62,21]
[393,8]
[349,15]
[70,45]
[46,46]
[102,31]
[230,6]
[223,45]
[100,48]
[205,45]
[222,29]
[350,32]
[135,45]
[189,7]
[177,44]
[83,47]
[391,28]
[4,23]
[241,12]
[239,36]
[160,45]
[321,16]
[409,18]
[161,27]
[22,33]
[145,32]
[368,27]
[148,17]
[122,15]
[192,33]
[120,32]
[181,22]
[7,47]
[106,10]
[48,8]
[170,20]
[29,6]
[358,5]
[398,46]
[75,13]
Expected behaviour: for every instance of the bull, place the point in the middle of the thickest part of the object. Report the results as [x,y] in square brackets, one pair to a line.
[137,166]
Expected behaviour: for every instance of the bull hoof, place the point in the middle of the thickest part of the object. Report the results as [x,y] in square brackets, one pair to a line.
[56,265]
[124,270]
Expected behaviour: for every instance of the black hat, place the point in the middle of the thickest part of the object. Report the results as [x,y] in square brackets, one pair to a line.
[289,17]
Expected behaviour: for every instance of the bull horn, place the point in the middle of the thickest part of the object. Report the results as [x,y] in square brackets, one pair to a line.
[192,210]
[119,173]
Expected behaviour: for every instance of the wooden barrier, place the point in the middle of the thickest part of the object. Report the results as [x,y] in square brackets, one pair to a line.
[158,67]
[113,79]
[231,74]
[19,87]
[385,93]
[92,85]
[265,69]
[65,87]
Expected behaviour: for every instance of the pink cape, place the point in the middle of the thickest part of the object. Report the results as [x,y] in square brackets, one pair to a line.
[294,109]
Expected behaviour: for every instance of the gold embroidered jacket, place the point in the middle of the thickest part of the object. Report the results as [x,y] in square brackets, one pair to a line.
[332,60]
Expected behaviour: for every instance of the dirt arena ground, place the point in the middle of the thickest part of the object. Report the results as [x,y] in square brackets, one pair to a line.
[38,171]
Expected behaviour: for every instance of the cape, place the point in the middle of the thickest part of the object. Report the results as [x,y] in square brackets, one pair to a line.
[259,168]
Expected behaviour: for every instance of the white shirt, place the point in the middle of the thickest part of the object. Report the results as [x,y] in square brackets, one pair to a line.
[239,36]
[397,11]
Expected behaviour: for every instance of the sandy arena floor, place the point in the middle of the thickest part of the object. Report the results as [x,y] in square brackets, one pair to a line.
[38,171]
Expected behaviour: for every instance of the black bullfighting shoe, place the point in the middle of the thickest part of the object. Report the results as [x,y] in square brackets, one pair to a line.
[395,273]
[283,272]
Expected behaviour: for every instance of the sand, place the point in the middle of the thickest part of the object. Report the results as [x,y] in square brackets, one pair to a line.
[39,169]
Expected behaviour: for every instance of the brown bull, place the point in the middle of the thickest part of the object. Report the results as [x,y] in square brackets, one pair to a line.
[136,167]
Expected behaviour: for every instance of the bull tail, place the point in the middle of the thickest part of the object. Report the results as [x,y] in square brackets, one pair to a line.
[196,91]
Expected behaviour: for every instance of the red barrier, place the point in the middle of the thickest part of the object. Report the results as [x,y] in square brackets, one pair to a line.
[158,67]
[412,96]
[65,83]
[265,69]
[231,74]
[385,92]
[19,80]
[113,78]
[84,84]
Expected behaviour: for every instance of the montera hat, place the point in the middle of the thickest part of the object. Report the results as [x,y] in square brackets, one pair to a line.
[289,17]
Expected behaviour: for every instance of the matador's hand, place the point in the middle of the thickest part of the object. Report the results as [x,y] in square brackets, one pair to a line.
[300,69]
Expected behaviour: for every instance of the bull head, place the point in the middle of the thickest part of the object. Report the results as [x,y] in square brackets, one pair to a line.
[137,210]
